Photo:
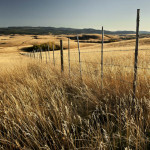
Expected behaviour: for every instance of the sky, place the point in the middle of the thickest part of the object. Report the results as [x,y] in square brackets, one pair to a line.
[112,14]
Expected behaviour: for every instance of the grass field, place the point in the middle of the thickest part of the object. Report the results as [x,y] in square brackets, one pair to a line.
[42,108]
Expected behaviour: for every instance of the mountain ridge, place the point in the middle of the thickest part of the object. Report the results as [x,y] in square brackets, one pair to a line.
[60,30]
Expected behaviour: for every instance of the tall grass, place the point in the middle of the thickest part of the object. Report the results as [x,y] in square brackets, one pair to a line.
[40,108]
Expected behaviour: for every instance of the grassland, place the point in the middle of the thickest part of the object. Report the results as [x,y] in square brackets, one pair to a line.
[42,108]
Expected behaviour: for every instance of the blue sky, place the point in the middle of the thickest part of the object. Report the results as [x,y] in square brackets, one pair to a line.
[112,14]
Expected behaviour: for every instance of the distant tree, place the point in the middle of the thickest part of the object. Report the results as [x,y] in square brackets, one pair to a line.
[35,37]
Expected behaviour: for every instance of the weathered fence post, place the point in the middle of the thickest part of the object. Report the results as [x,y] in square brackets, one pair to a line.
[34,54]
[69,54]
[38,53]
[41,54]
[46,56]
[61,55]
[53,55]
[79,57]
[136,54]
[48,53]
[102,58]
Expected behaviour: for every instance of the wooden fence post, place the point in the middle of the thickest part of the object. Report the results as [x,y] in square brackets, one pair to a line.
[41,54]
[79,57]
[53,55]
[61,55]
[136,54]
[38,55]
[34,54]
[48,53]
[69,54]
[46,56]
[102,58]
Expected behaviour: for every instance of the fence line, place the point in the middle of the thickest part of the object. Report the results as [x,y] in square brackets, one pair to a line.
[109,65]
[110,51]
[104,64]
[135,66]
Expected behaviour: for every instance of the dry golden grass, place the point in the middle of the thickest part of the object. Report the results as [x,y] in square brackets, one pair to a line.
[42,108]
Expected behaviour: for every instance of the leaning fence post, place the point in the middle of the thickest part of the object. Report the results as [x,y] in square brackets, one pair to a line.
[53,55]
[69,54]
[102,59]
[61,55]
[136,54]
[79,56]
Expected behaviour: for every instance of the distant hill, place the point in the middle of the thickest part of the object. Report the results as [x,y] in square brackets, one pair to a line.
[57,31]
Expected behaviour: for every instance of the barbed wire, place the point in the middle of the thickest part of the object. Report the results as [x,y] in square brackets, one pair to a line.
[98,51]
[107,77]
[110,51]
[110,65]
[98,71]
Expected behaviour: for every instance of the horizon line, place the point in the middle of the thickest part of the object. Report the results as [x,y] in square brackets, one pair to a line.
[72,28]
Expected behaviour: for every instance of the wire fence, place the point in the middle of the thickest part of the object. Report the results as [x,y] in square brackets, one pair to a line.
[69,60]
[98,63]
